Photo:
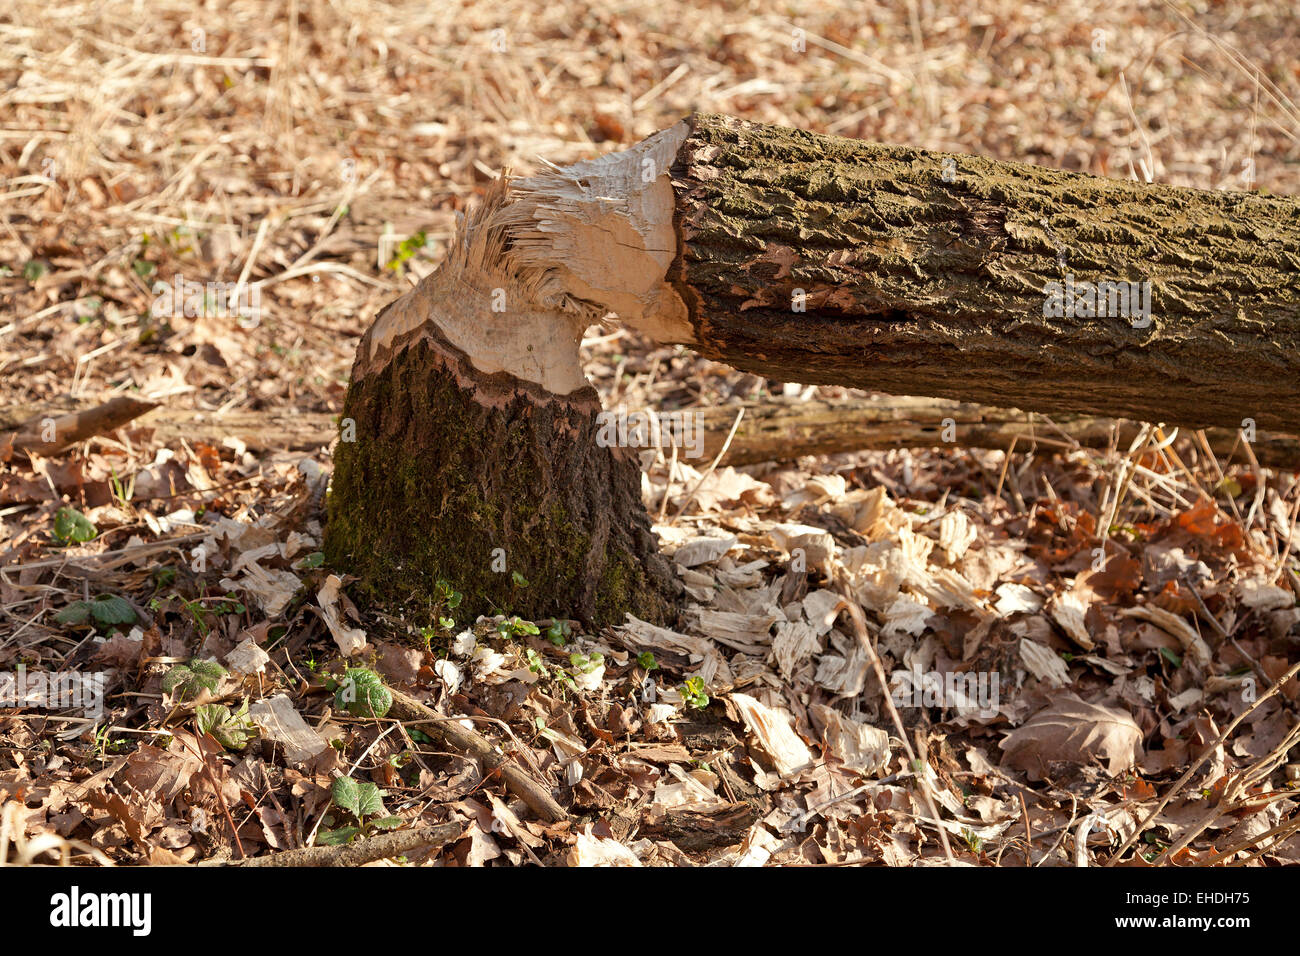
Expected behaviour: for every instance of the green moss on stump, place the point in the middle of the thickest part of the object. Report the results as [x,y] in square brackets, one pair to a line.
[449,465]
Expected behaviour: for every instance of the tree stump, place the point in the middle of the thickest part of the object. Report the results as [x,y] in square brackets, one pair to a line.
[475,460]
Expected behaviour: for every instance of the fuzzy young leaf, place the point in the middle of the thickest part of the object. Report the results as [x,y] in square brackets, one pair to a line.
[362,694]
[232,730]
[558,633]
[188,680]
[336,837]
[75,613]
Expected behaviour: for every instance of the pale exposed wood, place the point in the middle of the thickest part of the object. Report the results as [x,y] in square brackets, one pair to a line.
[487,308]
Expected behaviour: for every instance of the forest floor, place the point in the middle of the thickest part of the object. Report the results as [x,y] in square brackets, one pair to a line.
[1105,626]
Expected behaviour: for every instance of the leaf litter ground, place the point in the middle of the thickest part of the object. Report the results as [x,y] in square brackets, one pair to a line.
[1134,605]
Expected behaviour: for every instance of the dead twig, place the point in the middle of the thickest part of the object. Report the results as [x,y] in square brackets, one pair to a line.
[864,639]
[378,847]
[50,436]
[456,736]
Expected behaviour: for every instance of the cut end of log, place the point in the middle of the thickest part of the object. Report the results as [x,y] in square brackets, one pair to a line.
[600,236]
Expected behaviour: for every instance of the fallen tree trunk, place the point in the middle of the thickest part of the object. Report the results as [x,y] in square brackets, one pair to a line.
[801,257]
[777,429]
[823,260]
[782,430]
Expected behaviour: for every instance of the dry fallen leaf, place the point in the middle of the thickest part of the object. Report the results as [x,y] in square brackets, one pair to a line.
[773,727]
[281,723]
[1074,730]
[350,640]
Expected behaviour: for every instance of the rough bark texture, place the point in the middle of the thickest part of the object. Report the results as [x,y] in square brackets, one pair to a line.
[918,285]
[450,464]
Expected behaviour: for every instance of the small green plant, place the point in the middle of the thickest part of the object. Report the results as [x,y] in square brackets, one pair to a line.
[428,634]
[122,490]
[71,525]
[406,248]
[446,598]
[204,617]
[516,627]
[646,661]
[535,662]
[559,633]
[311,562]
[362,693]
[106,611]
[232,729]
[693,693]
[447,595]
[106,745]
[188,680]
[518,579]
[586,663]
[34,270]
[364,803]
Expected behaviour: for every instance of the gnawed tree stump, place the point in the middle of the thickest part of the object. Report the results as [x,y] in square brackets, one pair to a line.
[475,458]
[805,258]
